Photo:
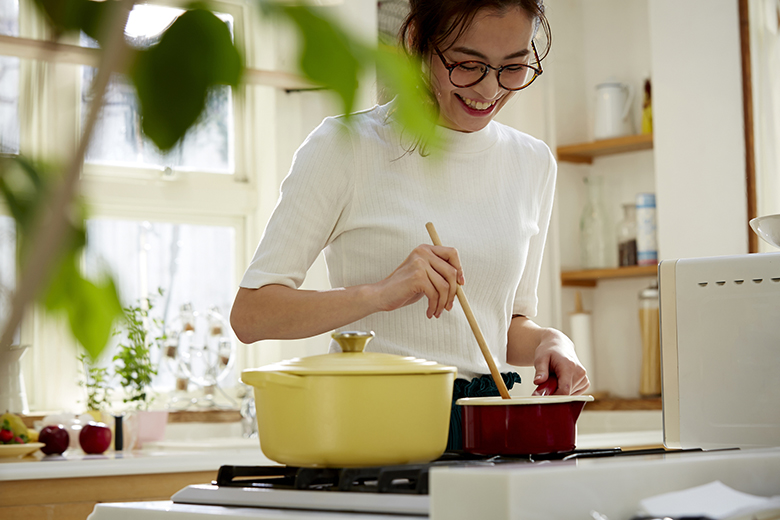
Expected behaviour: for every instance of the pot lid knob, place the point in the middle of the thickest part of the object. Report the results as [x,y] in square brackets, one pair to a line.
[352,341]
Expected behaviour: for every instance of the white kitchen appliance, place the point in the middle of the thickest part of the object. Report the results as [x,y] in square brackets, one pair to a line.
[720,350]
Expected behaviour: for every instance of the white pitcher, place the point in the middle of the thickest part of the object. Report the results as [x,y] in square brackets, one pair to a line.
[13,396]
[613,110]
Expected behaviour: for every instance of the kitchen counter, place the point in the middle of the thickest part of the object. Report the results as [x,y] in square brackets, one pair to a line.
[210,454]
[179,457]
[69,486]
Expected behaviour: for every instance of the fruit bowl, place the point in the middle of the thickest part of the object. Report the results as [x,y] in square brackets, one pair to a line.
[768,228]
[19,450]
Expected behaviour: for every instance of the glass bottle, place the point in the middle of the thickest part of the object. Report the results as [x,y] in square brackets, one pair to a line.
[649,323]
[626,236]
[596,232]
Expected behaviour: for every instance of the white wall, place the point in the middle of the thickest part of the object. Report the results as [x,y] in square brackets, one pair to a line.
[699,139]
[696,168]
[593,41]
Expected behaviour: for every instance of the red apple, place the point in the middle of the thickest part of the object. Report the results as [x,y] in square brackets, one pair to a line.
[95,438]
[55,437]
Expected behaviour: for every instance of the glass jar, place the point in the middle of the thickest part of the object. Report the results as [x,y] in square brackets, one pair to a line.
[626,236]
[649,323]
[596,232]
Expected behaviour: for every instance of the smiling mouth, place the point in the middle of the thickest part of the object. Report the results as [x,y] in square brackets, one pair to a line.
[477,105]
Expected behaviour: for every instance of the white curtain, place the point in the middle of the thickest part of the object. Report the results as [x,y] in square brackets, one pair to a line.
[765,58]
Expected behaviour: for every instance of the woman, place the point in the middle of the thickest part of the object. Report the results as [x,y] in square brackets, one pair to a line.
[356,192]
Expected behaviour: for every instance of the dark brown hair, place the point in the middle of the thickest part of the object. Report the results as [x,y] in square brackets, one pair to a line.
[431,22]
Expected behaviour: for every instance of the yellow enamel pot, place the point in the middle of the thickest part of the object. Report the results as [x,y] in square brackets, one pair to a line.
[352,408]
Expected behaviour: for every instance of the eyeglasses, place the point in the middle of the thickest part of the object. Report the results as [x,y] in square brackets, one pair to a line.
[516,76]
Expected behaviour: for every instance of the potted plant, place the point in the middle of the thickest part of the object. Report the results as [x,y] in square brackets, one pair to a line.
[135,369]
[98,386]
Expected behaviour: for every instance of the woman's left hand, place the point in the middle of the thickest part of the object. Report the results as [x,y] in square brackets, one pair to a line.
[555,355]
[550,351]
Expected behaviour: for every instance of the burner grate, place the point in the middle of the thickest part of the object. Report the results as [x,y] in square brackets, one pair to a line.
[402,479]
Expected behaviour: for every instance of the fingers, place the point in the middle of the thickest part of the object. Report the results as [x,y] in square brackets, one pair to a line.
[445,274]
[571,376]
[572,381]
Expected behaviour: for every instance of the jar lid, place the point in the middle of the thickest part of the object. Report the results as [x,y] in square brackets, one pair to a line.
[354,361]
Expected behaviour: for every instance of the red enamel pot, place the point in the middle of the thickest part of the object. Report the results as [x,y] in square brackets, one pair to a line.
[521,425]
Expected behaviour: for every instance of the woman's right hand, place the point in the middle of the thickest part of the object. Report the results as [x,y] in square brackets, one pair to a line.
[430,271]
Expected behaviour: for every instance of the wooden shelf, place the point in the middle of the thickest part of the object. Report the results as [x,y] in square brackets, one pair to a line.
[590,277]
[617,404]
[585,152]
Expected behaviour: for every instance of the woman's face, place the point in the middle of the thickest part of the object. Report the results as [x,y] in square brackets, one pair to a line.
[494,38]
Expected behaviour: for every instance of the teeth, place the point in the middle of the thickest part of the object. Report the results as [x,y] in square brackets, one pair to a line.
[478,105]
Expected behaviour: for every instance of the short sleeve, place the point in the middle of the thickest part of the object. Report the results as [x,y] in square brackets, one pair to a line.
[526,300]
[313,198]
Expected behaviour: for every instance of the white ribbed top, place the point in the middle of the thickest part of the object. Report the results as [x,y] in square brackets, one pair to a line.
[353,192]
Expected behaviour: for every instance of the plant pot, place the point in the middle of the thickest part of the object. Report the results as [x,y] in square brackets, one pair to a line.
[150,425]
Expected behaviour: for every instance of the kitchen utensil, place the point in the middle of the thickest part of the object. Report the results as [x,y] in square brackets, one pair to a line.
[509,425]
[613,110]
[768,228]
[522,425]
[474,325]
[352,408]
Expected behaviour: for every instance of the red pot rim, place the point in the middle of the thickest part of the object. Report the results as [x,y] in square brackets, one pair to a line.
[514,401]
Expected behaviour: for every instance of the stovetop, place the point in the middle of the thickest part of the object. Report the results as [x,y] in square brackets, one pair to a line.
[388,489]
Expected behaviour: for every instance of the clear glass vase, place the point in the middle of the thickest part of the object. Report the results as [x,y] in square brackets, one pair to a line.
[597,250]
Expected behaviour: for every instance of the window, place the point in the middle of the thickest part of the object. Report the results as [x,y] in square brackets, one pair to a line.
[118,139]
[9,81]
[7,266]
[193,265]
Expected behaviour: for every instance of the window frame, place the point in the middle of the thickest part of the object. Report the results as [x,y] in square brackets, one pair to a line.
[123,192]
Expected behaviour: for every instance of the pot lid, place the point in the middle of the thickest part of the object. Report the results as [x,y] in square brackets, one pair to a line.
[354,361]
[534,399]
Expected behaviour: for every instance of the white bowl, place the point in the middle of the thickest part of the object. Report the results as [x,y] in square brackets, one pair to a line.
[768,228]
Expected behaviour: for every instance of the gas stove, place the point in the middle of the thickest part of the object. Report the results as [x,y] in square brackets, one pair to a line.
[565,486]
[400,489]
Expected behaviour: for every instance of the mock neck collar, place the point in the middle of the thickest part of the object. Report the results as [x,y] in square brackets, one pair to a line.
[453,141]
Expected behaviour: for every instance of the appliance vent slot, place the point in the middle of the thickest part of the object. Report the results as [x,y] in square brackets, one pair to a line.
[739,282]
[702,284]
[776,279]
[721,282]
[758,280]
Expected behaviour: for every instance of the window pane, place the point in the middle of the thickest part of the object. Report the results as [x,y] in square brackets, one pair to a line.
[118,139]
[9,81]
[191,264]
[7,267]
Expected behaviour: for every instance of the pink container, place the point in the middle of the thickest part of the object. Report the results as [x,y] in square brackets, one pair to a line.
[521,425]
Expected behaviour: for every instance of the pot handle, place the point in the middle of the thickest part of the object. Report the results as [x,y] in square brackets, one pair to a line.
[263,379]
[629,100]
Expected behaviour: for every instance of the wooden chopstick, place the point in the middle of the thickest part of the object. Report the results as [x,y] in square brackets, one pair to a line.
[464,303]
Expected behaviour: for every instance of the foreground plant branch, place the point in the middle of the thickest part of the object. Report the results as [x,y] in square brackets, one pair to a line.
[51,229]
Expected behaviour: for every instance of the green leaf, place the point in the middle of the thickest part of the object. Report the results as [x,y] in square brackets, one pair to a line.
[329,56]
[76,15]
[414,107]
[172,78]
[91,307]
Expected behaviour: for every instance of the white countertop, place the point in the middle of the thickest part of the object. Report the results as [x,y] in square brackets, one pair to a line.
[210,454]
[204,455]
